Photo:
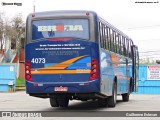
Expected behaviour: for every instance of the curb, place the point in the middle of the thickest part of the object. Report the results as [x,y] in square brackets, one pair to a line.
[20,88]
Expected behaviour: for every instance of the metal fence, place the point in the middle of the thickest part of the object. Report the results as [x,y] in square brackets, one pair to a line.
[8,77]
[149,79]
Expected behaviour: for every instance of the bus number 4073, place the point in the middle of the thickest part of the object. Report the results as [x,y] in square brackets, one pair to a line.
[38,60]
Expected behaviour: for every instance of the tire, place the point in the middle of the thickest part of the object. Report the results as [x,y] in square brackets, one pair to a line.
[125,97]
[112,99]
[54,102]
[63,101]
[131,84]
[102,102]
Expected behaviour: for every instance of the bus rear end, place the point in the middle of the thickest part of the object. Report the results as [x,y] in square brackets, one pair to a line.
[61,57]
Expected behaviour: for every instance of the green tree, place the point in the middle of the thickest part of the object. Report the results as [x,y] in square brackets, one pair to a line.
[2,29]
[19,29]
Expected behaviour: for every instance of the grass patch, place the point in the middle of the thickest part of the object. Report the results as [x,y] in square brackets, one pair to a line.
[20,82]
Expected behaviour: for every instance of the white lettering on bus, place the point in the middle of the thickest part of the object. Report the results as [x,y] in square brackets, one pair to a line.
[65,28]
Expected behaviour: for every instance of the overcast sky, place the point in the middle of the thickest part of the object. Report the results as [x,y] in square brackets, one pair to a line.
[140,21]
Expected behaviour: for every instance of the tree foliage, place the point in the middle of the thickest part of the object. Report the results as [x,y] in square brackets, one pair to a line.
[2,30]
[13,30]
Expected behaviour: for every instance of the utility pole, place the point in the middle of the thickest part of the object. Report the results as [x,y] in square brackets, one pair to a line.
[18,28]
[34,6]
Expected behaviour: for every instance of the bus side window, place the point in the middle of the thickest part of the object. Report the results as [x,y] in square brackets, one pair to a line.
[126,41]
[114,41]
[124,47]
[118,49]
[100,31]
[103,40]
[109,38]
[124,50]
[117,42]
[129,48]
[121,45]
[131,43]
[104,37]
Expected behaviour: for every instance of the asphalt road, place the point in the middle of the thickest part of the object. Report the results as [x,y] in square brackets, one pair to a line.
[20,101]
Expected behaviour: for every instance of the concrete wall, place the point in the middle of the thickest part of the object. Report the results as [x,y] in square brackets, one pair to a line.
[21,70]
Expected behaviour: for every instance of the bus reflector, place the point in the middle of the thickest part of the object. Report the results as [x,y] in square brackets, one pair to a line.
[94,70]
[28,75]
[87,13]
[33,15]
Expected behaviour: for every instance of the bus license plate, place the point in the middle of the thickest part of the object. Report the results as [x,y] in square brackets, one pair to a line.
[61,89]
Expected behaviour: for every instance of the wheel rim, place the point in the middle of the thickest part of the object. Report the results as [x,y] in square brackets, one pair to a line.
[115,94]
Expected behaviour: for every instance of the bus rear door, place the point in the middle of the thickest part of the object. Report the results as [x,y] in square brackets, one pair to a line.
[135,66]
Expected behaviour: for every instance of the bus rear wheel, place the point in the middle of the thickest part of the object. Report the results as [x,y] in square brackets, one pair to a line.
[54,102]
[112,99]
[125,97]
[63,101]
[102,102]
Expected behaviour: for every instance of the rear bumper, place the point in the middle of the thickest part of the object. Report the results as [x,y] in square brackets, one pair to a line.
[71,96]
[73,87]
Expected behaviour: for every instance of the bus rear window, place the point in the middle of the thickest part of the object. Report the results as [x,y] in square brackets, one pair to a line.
[76,28]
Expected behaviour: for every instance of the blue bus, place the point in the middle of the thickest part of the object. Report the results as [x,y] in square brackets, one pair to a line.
[77,55]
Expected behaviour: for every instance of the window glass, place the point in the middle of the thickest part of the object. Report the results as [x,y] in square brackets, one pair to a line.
[78,28]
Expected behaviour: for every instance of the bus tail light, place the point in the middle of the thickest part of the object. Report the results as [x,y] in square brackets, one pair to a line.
[28,75]
[94,74]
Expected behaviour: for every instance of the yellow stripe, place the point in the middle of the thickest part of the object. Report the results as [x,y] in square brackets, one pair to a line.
[63,65]
[59,71]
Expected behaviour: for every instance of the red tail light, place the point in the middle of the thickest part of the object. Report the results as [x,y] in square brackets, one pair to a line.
[94,70]
[28,75]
